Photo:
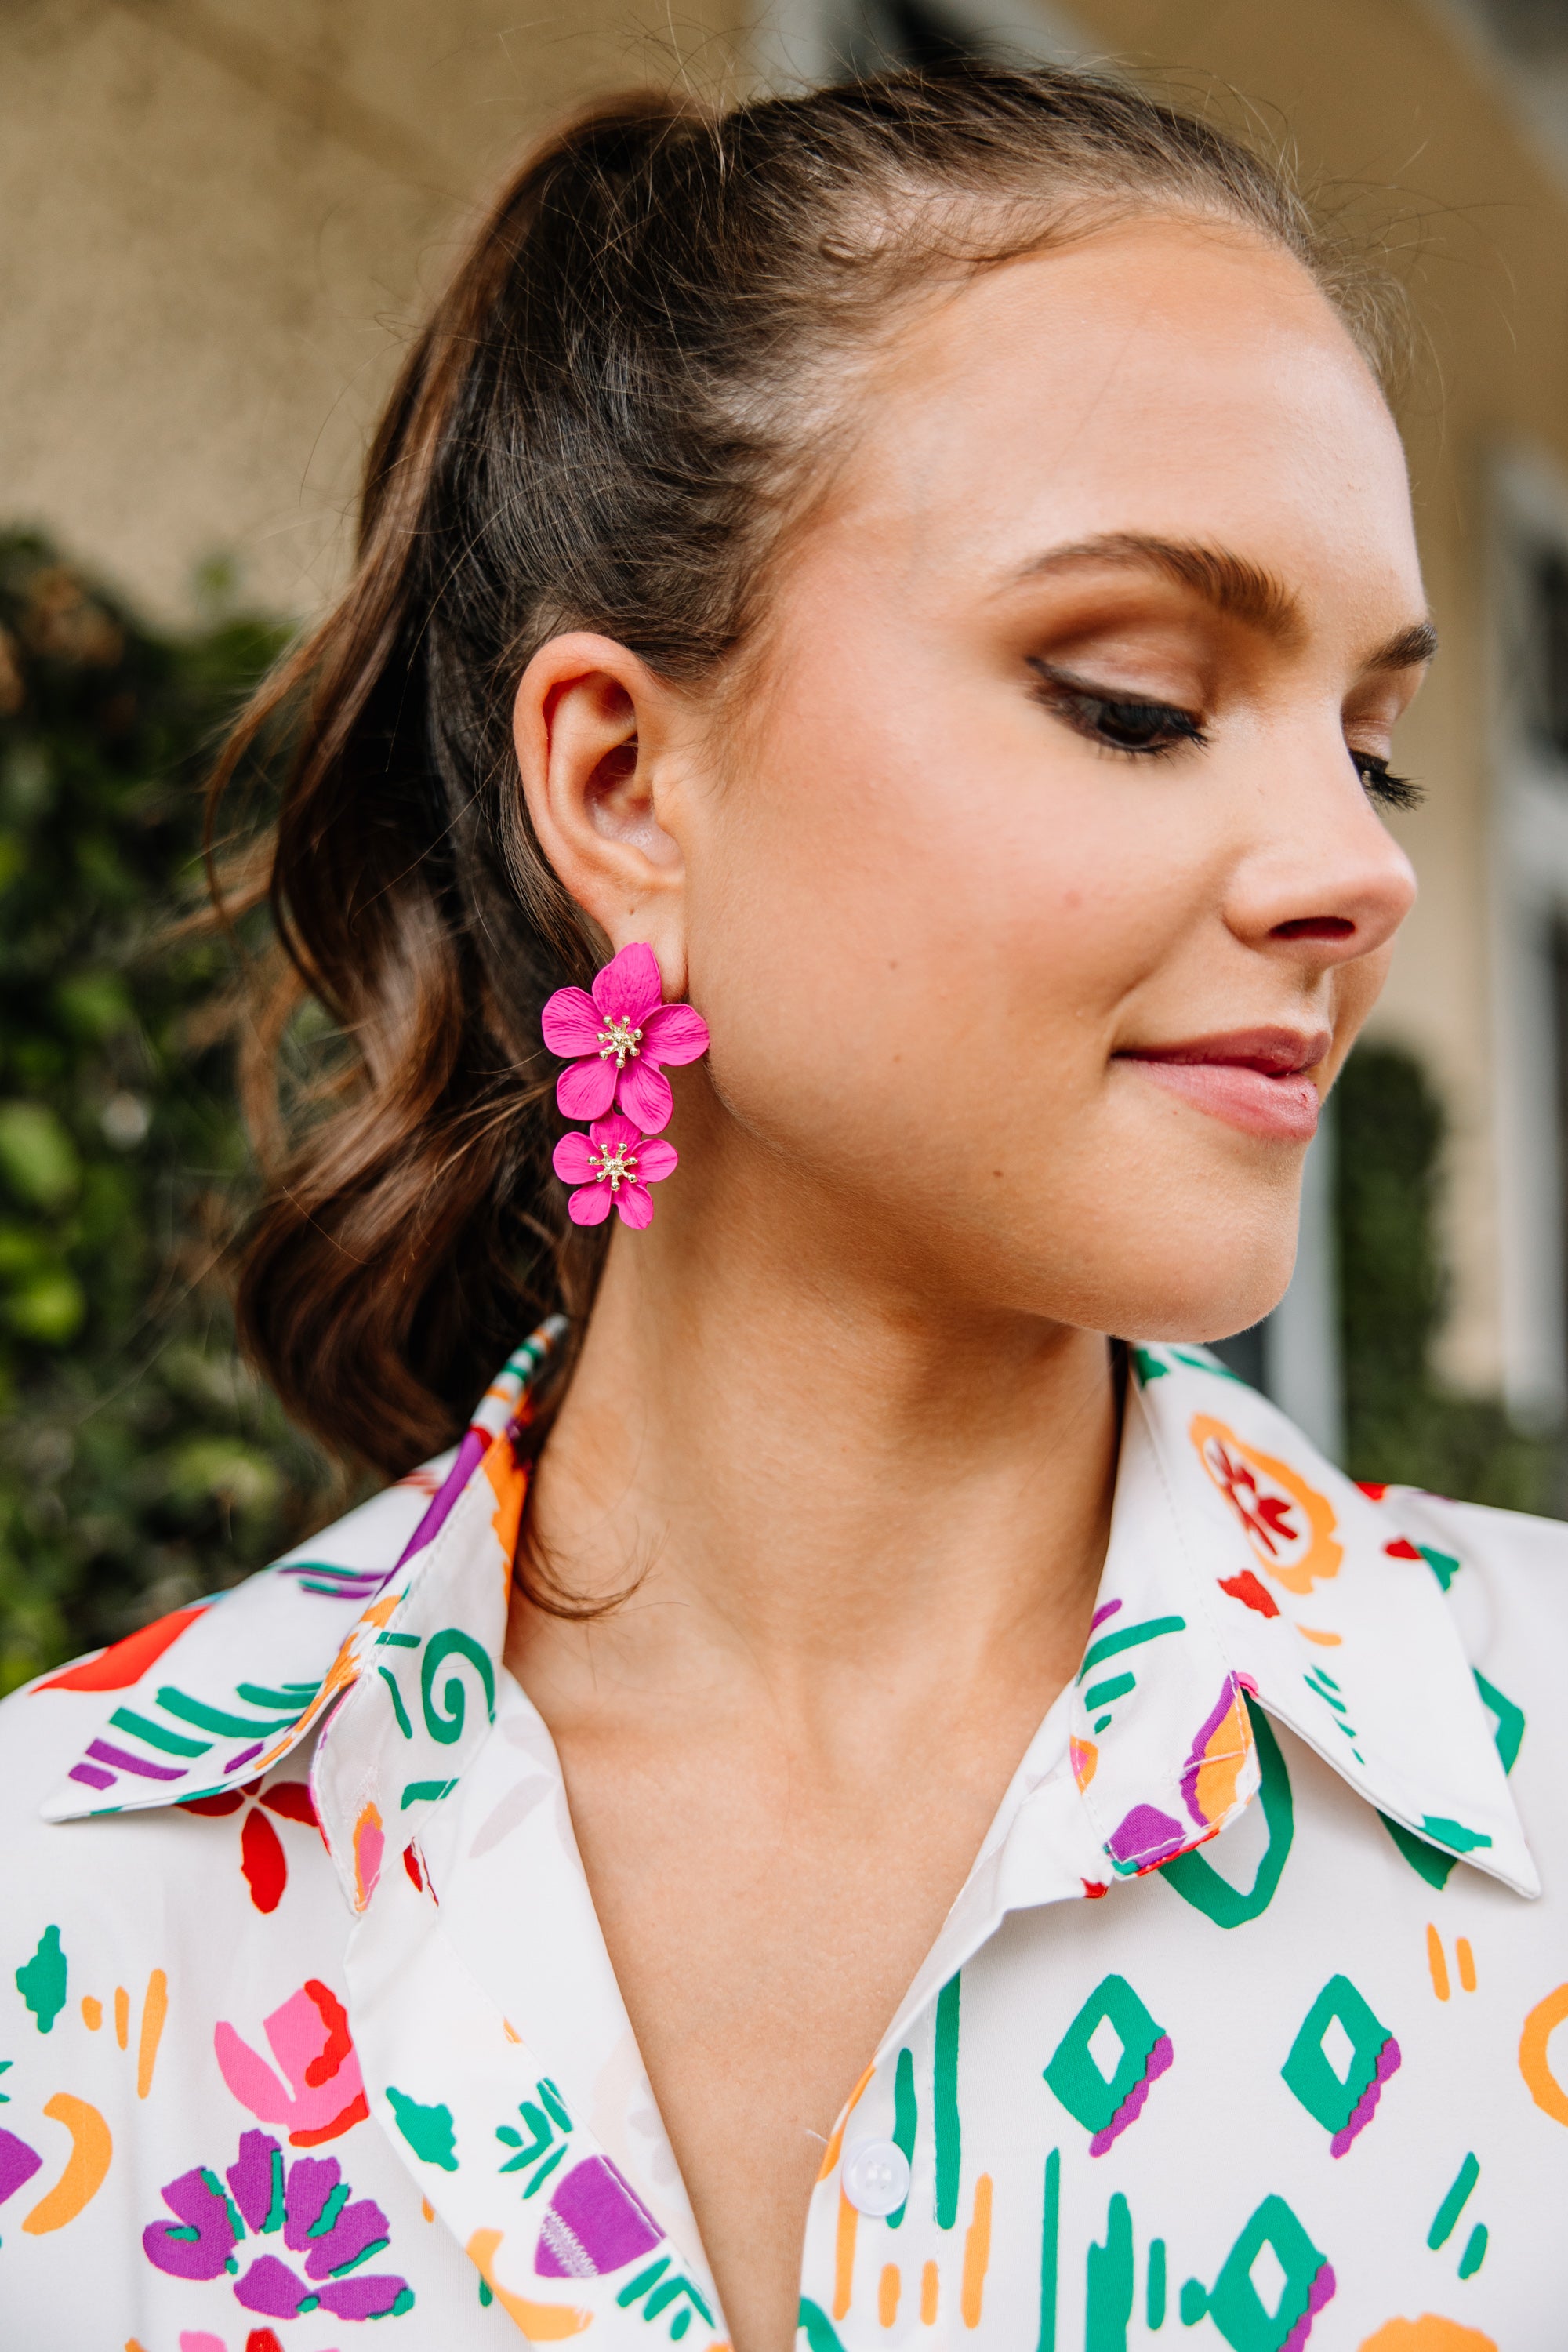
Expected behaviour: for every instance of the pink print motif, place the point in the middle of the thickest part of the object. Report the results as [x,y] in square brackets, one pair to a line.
[618,1039]
[613,1163]
[321,2094]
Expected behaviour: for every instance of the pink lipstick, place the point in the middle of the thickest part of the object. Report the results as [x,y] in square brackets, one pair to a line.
[1254,1079]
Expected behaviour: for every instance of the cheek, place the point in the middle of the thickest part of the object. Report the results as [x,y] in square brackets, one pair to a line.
[922,921]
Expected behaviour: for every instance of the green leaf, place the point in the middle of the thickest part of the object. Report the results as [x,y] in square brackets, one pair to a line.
[93,1004]
[50,1308]
[38,1161]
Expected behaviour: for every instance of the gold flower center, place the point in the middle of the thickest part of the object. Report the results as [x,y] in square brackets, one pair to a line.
[617,1164]
[619,1038]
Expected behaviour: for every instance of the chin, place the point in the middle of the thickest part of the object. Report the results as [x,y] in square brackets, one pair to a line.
[1199,1293]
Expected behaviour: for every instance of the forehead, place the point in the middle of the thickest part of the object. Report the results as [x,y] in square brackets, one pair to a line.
[1172,378]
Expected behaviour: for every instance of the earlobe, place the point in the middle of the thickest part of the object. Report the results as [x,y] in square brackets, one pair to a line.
[591,730]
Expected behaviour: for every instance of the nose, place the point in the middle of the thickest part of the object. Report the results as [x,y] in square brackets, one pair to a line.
[1324,881]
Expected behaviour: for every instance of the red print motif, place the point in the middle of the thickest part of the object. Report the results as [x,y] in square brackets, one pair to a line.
[261,1855]
[1245,1589]
[1266,1518]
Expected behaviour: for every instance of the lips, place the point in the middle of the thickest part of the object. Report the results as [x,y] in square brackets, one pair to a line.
[1254,1079]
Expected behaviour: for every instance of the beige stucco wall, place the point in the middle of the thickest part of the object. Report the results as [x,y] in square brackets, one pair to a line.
[217,216]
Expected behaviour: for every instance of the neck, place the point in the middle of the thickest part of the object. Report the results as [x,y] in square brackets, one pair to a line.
[810,1475]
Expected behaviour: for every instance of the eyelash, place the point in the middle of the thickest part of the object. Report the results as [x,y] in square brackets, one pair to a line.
[1087,711]
[1169,729]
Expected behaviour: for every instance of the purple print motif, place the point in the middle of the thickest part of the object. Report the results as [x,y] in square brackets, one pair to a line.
[595,2224]
[310,2202]
[1321,2292]
[18,2162]
[1365,2107]
[1146,1837]
[1131,2107]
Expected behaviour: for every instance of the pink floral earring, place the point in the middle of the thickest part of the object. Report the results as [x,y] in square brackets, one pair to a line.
[617,1040]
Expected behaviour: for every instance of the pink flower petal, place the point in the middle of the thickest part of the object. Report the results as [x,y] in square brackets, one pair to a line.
[572,1159]
[646,1096]
[584,1089]
[629,986]
[571,1022]
[615,1132]
[656,1160]
[635,1203]
[591,1206]
[674,1033]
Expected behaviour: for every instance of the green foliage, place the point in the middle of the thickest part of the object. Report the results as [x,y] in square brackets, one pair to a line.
[1401,1424]
[139,1463]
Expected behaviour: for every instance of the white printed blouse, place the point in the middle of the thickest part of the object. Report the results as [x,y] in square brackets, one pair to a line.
[1243,2032]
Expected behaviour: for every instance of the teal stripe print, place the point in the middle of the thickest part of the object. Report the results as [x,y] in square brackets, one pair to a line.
[945,2128]
[1050,2235]
[906,2121]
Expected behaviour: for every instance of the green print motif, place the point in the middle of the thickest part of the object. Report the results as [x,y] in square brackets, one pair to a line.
[1453,1833]
[1507,1720]
[821,2335]
[428,2130]
[662,2292]
[1508,1736]
[41,1981]
[417,1792]
[444,1719]
[1234,2304]
[1449,2212]
[1344,2104]
[905,2122]
[1050,2250]
[1154,2293]
[1110,2282]
[543,2121]
[397,1641]
[945,2125]
[1193,1877]
[1147,1366]
[1106,2106]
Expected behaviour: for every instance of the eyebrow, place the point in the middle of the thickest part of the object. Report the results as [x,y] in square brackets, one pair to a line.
[1242,591]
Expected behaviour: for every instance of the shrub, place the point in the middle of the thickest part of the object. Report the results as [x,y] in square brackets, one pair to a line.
[1401,1424]
[141,1463]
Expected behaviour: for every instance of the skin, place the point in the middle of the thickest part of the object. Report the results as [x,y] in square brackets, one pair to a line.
[848,1408]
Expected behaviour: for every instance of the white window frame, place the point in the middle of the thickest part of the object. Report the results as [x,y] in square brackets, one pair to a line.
[1529,892]
[797,42]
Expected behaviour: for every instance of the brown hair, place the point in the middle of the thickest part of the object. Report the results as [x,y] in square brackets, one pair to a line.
[631,383]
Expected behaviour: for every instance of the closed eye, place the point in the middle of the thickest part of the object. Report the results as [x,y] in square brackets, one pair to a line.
[1127,724]
[1392,791]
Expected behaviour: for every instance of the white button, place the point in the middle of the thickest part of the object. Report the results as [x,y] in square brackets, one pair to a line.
[877,2178]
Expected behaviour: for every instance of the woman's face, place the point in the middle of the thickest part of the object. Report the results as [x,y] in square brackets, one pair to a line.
[1042,888]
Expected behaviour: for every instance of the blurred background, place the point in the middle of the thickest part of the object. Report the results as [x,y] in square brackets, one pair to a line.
[219,220]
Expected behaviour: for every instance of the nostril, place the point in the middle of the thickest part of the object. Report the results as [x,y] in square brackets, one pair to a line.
[1315,927]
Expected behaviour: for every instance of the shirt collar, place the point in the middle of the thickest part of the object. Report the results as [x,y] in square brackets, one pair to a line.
[1240,1562]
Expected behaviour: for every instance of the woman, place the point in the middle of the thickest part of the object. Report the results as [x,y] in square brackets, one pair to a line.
[965,1829]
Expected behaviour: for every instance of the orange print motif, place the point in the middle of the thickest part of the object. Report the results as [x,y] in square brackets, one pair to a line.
[508,1482]
[1428,2334]
[1226,1752]
[1533,2064]
[1290,1526]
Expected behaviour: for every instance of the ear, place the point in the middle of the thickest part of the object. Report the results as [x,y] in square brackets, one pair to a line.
[596,735]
